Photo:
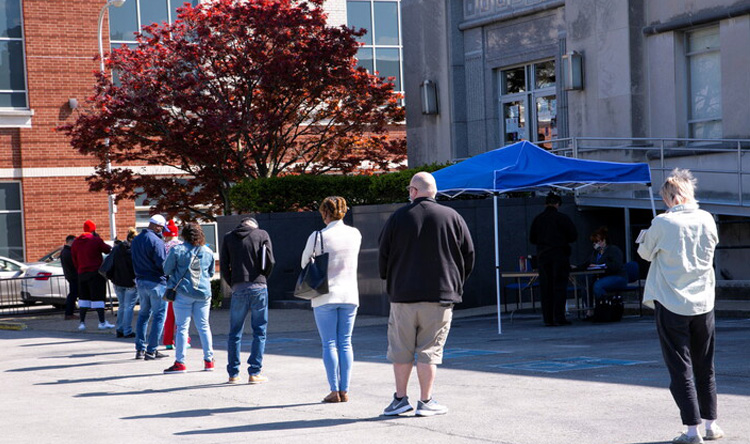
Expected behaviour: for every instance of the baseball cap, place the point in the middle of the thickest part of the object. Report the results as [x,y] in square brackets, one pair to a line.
[158,219]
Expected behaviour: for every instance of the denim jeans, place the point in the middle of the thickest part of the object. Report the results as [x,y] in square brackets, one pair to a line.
[126,299]
[335,325]
[153,308]
[607,283]
[254,300]
[184,307]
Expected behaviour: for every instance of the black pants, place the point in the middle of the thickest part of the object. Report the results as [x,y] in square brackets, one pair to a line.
[554,271]
[687,343]
[70,301]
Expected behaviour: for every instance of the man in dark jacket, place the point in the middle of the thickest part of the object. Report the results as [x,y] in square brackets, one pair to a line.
[86,252]
[552,232]
[426,254]
[122,276]
[148,254]
[71,275]
[246,260]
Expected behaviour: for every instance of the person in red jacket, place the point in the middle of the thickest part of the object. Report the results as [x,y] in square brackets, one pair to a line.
[87,252]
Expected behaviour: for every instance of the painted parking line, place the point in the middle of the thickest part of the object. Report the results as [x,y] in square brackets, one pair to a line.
[567,364]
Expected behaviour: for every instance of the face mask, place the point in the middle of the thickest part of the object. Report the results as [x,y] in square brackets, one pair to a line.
[596,245]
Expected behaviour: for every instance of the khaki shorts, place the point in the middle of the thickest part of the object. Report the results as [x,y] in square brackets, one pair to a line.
[420,328]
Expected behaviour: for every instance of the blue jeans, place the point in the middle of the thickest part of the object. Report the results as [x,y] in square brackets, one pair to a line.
[184,307]
[254,300]
[607,283]
[154,308]
[335,325]
[126,299]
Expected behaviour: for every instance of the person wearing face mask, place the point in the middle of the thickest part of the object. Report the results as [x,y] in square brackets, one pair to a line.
[608,258]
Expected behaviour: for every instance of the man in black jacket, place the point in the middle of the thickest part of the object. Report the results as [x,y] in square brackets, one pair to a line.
[552,232]
[71,275]
[426,254]
[246,261]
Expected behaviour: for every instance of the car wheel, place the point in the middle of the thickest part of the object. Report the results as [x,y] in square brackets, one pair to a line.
[25,299]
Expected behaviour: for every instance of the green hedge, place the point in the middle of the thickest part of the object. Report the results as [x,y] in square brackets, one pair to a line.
[305,192]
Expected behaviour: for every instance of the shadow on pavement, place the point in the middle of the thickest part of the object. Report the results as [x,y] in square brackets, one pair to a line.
[213,412]
[291,425]
[148,391]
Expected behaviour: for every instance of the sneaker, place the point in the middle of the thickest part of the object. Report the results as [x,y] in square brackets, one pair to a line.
[208,366]
[169,347]
[177,367]
[140,354]
[684,439]
[257,379]
[119,334]
[398,407]
[234,380]
[155,355]
[105,325]
[81,326]
[714,433]
[129,335]
[430,408]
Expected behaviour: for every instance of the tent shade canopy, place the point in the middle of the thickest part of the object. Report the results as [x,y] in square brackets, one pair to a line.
[525,166]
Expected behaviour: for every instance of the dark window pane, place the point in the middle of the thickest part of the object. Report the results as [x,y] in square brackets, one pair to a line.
[175,4]
[209,230]
[387,64]
[13,100]
[364,59]
[11,234]
[544,74]
[386,23]
[514,80]
[153,11]
[358,15]
[11,65]
[10,196]
[123,21]
[10,18]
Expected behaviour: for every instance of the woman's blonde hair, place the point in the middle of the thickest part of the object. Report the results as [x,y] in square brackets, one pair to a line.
[131,233]
[334,207]
[679,186]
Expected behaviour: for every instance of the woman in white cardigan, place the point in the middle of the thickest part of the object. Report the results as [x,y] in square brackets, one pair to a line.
[335,311]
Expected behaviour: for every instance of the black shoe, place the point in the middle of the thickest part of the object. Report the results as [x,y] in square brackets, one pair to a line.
[140,354]
[155,355]
[119,334]
[129,335]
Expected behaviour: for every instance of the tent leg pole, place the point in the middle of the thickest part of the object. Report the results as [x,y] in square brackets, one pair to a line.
[497,265]
[653,205]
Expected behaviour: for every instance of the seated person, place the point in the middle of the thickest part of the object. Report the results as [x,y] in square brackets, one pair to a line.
[611,260]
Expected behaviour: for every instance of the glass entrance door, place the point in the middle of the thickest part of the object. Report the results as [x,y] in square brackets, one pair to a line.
[514,121]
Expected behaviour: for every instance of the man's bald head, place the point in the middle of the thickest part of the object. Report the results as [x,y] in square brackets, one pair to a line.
[424,184]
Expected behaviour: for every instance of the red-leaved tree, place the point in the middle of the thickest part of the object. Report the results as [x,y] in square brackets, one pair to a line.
[235,89]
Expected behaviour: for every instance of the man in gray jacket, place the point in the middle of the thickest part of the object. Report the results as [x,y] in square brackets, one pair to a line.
[426,254]
[246,260]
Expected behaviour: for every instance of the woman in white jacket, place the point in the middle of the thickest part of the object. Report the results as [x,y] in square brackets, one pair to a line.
[335,311]
[680,287]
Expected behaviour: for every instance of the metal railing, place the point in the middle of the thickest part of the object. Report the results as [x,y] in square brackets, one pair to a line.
[21,295]
[720,165]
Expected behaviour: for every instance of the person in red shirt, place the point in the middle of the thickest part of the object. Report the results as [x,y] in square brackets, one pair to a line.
[86,252]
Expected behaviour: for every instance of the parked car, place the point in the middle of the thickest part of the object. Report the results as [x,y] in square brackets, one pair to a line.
[10,286]
[48,284]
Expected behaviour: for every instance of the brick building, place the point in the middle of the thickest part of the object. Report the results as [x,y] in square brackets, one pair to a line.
[47,51]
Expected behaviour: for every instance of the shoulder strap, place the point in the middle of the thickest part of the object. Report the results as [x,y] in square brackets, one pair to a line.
[320,233]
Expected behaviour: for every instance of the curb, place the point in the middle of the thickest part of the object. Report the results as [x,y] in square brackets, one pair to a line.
[12,326]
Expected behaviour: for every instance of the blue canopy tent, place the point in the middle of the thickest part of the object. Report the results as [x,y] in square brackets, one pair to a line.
[524,166]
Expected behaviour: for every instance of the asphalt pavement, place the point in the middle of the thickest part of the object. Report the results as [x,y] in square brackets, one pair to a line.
[579,384]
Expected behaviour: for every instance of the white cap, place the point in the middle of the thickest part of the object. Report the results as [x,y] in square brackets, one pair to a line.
[158,219]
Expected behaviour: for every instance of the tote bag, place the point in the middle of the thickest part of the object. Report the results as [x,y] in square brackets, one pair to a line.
[313,280]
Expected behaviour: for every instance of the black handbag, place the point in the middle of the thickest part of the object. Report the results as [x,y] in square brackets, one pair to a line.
[170,294]
[313,280]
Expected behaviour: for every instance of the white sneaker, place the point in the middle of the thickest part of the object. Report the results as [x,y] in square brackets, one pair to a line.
[430,408]
[81,326]
[105,325]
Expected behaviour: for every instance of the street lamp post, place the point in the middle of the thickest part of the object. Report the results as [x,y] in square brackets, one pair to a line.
[110,197]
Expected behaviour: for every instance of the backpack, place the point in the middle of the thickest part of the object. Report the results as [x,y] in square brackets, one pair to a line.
[609,309]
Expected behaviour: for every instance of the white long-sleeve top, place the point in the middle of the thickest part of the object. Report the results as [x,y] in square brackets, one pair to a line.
[680,246]
[342,243]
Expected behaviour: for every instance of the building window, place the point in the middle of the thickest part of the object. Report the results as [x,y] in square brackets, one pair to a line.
[127,20]
[11,221]
[528,103]
[704,83]
[381,50]
[12,58]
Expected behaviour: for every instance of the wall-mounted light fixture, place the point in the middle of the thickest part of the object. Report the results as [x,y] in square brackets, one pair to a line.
[73,103]
[428,93]
[572,71]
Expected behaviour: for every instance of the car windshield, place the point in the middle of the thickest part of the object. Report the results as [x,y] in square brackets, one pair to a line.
[52,255]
